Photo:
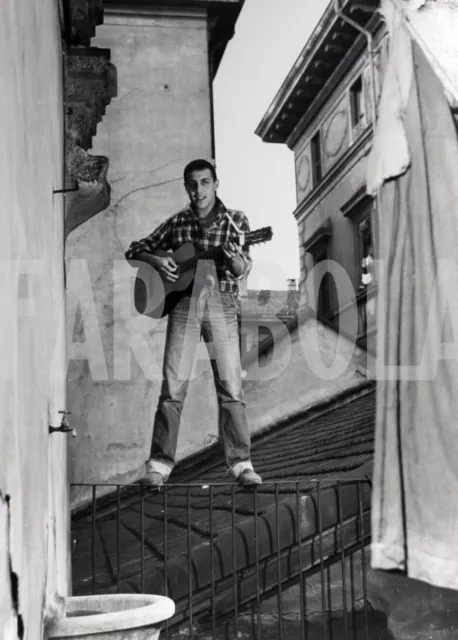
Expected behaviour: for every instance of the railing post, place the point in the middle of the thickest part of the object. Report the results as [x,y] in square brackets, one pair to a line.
[299,551]
[94,533]
[118,538]
[279,584]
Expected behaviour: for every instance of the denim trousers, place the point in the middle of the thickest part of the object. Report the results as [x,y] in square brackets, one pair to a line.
[212,315]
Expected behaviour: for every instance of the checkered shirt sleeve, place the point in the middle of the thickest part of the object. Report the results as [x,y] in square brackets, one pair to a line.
[183,227]
[160,238]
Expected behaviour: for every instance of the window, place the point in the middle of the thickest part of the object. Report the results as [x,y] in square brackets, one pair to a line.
[365,251]
[317,167]
[360,210]
[366,295]
[323,289]
[326,293]
[357,104]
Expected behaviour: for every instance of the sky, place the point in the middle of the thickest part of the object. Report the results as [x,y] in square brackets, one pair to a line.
[254,176]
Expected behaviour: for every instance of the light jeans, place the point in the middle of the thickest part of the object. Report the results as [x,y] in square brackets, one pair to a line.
[213,315]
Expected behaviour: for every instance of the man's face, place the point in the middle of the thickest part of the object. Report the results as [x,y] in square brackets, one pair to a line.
[201,189]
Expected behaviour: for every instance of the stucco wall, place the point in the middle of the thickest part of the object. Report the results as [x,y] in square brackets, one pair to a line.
[33,481]
[159,121]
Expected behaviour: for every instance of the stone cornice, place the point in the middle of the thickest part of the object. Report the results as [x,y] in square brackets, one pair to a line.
[90,84]
[222,16]
[333,46]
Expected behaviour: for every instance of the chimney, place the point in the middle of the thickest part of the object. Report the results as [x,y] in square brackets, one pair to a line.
[292,284]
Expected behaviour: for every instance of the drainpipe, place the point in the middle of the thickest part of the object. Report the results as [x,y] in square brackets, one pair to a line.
[370,50]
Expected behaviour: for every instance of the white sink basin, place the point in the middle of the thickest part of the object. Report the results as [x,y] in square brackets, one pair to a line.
[113,617]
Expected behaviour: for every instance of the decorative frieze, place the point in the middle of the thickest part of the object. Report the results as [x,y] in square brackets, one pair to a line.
[304,181]
[336,134]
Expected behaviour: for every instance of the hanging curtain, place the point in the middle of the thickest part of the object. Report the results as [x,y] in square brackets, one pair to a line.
[415,498]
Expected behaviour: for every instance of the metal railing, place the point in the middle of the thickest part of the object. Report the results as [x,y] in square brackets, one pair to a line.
[287,560]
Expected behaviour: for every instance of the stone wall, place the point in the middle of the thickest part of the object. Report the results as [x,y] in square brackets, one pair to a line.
[34,546]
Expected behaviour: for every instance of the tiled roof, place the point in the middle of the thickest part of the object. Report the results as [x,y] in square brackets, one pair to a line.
[333,440]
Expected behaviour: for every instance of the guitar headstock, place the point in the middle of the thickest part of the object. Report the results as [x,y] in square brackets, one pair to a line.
[259,236]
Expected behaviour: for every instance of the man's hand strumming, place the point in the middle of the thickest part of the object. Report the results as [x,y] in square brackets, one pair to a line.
[167,267]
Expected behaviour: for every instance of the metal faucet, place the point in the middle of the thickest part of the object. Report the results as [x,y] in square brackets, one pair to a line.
[64,426]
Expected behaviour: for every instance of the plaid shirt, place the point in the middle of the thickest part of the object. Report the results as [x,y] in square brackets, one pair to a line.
[184,227]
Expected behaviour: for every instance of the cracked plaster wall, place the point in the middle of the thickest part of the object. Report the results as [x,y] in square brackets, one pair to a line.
[32,345]
[159,121]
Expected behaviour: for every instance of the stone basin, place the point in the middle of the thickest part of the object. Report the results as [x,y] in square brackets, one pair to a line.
[112,617]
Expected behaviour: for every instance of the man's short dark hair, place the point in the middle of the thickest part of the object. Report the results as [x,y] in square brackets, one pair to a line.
[199,165]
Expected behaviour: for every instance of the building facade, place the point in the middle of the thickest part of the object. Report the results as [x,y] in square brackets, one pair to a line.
[324,113]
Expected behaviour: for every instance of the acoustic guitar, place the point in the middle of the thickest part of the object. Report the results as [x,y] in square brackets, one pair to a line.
[156,297]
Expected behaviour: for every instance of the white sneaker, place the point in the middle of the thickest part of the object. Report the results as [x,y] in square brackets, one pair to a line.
[249,478]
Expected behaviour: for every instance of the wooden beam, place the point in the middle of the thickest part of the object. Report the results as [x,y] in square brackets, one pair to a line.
[303,92]
[293,109]
[323,65]
[341,36]
[334,49]
[274,137]
[281,126]
[289,119]
[312,81]
[304,87]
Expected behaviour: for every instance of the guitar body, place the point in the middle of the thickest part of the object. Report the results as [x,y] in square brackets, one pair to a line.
[155,297]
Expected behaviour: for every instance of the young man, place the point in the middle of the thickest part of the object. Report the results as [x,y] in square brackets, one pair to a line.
[208,310]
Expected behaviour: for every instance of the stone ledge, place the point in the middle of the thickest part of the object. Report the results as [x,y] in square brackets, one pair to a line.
[93,195]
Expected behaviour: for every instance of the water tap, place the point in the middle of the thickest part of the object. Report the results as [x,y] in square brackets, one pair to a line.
[64,426]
